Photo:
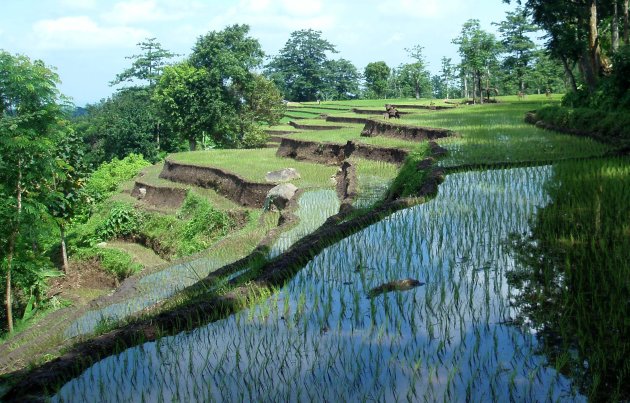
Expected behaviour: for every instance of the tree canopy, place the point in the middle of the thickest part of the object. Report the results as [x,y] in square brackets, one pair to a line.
[299,70]
[376,75]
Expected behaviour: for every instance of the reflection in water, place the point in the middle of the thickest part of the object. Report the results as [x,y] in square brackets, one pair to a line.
[574,278]
[322,338]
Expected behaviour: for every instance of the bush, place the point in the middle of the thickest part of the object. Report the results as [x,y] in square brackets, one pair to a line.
[613,126]
[103,182]
[255,137]
[123,221]
[114,261]
[410,178]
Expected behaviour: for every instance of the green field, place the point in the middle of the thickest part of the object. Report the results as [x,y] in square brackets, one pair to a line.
[254,164]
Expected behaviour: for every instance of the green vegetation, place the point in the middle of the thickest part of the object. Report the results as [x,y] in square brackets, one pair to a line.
[411,177]
[254,164]
[497,133]
[573,285]
[608,126]
[117,262]
[104,181]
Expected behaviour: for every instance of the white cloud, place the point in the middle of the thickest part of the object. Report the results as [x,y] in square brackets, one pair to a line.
[302,8]
[140,11]
[425,9]
[78,4]
[82,32]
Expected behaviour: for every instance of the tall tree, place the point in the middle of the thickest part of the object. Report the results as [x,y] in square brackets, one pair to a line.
[573,34]
[517,44]
[148,65]
[29,103]
[416,73]
[187,103]
[299,69]
[214,94]
[447,73]
[376,75]
[478,50]
[341,80]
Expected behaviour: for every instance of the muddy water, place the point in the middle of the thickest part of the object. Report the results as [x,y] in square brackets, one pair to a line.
[322,338]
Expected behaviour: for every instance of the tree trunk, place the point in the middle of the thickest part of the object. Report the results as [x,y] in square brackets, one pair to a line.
[64,252]
[8,301]
[192,144]
[593,43]
[465,79]
[586,67]
[615,27]
[569,73]
[626,23]
[479,87]
[12,239]
[417,90]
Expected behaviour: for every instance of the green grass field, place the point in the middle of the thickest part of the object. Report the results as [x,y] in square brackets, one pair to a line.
[253,164]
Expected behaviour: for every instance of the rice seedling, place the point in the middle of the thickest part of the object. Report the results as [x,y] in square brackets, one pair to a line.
[319,338]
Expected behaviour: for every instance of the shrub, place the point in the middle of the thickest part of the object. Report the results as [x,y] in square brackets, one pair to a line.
[103,182]
[114,261]
[123,220]
[410,178]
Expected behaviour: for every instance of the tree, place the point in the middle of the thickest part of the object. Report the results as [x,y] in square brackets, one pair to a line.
[478,50]
[186,102]
[215,94]
[28,128]
[376,75]
[148,65]
[341,80]
[447,74]
[416,73]
[125,123]
[518,46]
[546,74]
[65,195]
[299,69]
[573,33]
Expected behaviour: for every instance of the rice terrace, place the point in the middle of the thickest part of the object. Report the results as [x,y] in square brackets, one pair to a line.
[227,226]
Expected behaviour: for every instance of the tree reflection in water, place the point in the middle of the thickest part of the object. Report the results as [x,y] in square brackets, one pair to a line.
[573,288]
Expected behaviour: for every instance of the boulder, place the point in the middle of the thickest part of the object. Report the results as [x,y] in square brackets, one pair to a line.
[283,175]
[280,195]
[142,193]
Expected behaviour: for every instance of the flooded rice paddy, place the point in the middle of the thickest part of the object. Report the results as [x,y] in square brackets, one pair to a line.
[322,338]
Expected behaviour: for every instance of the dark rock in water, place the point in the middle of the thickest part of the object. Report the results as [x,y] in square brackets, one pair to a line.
[397,285]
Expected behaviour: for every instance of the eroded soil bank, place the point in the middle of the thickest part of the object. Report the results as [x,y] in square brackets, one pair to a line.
[159,196]
[413,133]
[230,185]
[335,153]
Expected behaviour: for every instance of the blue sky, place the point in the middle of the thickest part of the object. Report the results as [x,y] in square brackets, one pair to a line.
[87,40]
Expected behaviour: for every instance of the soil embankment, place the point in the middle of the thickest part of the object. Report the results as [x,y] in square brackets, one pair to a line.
[413,133]
[230,185]
[335,154]
[346,119]
[159,196]
[347,185]
[429,107]
[374,112]
[314,127]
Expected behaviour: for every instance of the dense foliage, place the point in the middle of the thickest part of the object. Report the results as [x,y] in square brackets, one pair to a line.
[574,286]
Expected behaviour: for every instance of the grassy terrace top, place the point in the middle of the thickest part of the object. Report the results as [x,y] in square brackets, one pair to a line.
[254,164]
[488,133]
